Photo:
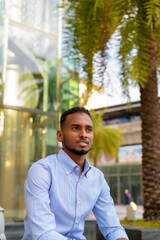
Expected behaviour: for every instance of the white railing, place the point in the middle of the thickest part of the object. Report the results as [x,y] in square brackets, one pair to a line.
[2,235]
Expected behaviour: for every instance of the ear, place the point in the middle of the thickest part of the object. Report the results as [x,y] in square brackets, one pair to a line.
[59,136]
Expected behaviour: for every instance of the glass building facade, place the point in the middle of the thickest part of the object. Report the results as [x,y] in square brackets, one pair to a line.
[125,172]
[28,72]
[29,69]
[121,177]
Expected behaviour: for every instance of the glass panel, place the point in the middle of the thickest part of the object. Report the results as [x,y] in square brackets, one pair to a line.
[135,168]
[104,170]
[124,169]
[24,138]
[31,69]
[136,189]
[69,85]
[2,6]
[113,186]
[40,14]
[124,184]
[69,96]
[1,54]
[112,169]
[107,178]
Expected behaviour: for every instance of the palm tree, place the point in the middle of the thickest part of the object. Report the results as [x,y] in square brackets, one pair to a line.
[107,140]
[90,24]
[87,28]
[139,31]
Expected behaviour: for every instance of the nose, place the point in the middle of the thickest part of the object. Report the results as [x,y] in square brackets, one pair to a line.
[83,133]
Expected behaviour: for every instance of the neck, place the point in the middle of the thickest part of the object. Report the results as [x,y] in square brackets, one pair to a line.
[78,159]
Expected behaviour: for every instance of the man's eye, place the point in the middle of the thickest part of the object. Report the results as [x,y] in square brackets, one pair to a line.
[74,128]
[89,130]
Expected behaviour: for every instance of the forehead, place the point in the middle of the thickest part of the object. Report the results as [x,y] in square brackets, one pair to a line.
[78,118]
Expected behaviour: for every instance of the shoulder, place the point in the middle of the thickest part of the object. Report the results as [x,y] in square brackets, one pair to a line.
[100,181]
[40,173]
[43,165]
[46,162]
[96,173]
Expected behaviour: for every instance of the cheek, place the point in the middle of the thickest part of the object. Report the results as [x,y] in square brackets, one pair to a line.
[91,138]
[69,138]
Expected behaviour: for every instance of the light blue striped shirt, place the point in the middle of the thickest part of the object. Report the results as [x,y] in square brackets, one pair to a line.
[58,201]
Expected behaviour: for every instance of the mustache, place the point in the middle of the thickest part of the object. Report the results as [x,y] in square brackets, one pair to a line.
[83,140]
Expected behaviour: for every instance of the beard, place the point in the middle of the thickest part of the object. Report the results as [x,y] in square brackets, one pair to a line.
[75,151]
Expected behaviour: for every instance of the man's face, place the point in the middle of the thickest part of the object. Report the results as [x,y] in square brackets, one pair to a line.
[76,134]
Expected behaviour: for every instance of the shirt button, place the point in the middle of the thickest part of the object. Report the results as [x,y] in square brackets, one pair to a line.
[78,184]
[77,168]
[78,202]
[76,221]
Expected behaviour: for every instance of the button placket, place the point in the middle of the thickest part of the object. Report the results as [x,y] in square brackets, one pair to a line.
[77,201]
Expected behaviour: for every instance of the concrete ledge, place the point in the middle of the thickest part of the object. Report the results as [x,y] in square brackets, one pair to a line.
[142,233]
[14,231]
[135,233]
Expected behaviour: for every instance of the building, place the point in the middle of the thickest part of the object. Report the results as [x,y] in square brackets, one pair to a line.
[28,59]
[124,172]
[28,93]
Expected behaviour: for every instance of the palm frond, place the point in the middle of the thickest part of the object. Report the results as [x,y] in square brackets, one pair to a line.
[88,27]
[134,32]
[107,140]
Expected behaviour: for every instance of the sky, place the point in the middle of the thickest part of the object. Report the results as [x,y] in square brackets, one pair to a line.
[111,98]
[112,85]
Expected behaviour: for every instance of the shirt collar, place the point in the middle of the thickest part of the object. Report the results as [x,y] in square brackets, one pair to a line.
[87,167]
[68,164]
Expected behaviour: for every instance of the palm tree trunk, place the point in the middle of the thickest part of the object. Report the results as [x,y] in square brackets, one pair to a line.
[150,138]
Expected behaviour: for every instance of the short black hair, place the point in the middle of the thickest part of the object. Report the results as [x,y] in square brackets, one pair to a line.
[73,110]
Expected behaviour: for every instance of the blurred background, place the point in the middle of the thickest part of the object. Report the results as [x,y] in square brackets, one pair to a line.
[38,81]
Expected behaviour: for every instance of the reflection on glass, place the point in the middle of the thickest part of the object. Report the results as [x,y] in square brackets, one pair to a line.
[31,69]
[123,177]
[26,138]
[113,186]
[28,56]
[11,85]
[1,53]
[124,184]
[38,14]
[135,189]
[1,122]
[69,87]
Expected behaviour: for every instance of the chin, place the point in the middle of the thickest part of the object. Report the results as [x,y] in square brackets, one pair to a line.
[81,152]
[78,151]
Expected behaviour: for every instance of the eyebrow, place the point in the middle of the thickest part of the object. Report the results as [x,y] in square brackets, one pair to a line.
[78,125]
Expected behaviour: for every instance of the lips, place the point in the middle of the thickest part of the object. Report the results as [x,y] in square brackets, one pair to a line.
[83,143]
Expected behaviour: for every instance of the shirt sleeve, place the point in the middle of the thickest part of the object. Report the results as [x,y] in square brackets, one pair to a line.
[40,218]
[106,215]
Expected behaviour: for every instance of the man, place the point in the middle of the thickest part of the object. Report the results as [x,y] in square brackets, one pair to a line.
[61,190]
